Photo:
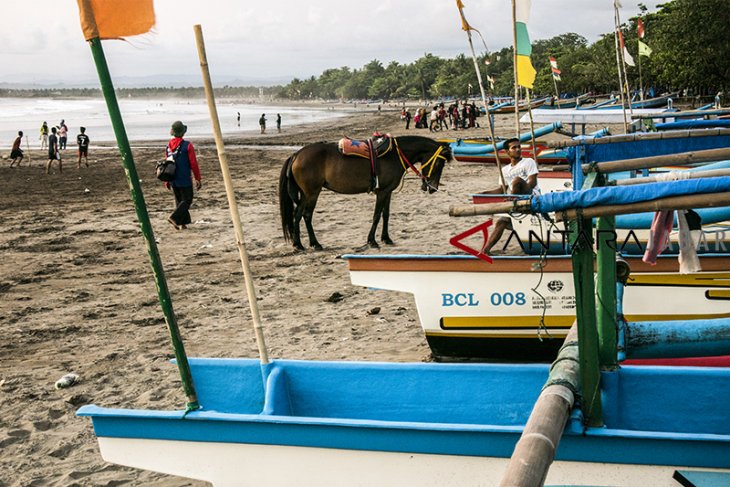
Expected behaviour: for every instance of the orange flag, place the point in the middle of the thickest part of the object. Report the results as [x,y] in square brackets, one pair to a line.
[114,19]
[464,24]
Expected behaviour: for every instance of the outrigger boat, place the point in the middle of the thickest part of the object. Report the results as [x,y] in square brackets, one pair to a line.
[483,152]
[520,308]
[356,423]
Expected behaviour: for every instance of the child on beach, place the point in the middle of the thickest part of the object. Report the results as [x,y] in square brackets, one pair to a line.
[44,136]
[16,153]
[82,140]
[54,153]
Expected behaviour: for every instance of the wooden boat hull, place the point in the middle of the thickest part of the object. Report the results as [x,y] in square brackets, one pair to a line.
[360,423]
[510,311]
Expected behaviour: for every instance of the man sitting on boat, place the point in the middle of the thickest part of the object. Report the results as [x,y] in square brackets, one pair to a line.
[520,176]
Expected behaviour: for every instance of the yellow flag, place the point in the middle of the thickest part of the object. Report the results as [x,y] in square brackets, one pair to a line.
[114,19]
[464,24]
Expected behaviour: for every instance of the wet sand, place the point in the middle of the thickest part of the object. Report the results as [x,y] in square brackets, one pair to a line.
[77,293]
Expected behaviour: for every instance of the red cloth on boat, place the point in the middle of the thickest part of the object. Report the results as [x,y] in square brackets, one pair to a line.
[661,227]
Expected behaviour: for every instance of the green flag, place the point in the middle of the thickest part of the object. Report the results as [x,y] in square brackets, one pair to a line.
[644,50]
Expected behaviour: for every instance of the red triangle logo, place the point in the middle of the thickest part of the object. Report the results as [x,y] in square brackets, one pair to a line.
[482,227]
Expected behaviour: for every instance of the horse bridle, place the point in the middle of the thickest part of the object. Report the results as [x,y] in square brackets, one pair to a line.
[430,164]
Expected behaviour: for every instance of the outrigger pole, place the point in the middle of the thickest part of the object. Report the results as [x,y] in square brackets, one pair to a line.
[232,205]
[468,28]
[140,207]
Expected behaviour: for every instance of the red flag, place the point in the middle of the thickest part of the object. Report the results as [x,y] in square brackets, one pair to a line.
[640,28]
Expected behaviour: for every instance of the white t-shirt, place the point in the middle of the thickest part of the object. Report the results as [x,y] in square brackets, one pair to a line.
[525,168]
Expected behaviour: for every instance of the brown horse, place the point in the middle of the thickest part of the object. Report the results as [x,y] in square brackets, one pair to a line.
[321,165]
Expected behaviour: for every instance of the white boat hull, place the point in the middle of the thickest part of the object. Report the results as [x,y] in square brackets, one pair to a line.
[508,311]
[240,465]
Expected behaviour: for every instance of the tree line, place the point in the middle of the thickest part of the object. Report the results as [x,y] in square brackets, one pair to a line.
[691,51]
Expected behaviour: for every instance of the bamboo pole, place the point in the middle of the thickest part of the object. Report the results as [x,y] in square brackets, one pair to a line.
[539,441]
[144,221]
[502,183]
[687,202]
[669,135]
[232,205]
[682,158]
[618,64]
[514,63]
[27,144]
[691,175]
[625,71]
[532,125]
[519,206]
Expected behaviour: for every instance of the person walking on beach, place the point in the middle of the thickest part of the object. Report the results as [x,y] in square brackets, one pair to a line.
[16,153]
[44,136]
[62,135]
[278,122]
[408,118]
[186,167]
[54,154]
[82,140]
[238,118]
[262,122]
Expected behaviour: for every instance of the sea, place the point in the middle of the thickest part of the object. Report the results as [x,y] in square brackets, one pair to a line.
[145,119]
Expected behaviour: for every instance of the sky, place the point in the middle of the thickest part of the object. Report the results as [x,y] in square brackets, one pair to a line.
[273,41]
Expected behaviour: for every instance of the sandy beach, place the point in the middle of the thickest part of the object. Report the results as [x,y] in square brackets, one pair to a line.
[77,294]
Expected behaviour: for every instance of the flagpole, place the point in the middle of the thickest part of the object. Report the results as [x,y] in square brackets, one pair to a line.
[514,62]
[532,124]
[230,193]
[555,84]
[140,207]
[467,28]
[618,65]
[623,63]
[641,83]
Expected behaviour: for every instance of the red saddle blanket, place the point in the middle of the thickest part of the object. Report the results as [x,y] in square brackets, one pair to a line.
[360,148]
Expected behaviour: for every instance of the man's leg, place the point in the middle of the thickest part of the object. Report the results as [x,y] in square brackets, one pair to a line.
[499,228]
[520,186]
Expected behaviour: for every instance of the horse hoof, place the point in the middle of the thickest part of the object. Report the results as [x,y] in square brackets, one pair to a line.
[299,248]
[388,241]
[317,247]
[373,245]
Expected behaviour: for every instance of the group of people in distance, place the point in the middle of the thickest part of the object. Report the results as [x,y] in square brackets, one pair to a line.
[441,117]
[56,142]
[262,122]
[53,139]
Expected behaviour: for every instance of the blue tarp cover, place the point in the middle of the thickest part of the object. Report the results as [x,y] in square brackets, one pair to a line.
[623,195]
[615,151]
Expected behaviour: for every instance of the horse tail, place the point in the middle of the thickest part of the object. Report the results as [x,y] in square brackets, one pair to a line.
[288,190]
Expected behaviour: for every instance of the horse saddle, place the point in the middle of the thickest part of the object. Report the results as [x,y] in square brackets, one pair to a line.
[352,147]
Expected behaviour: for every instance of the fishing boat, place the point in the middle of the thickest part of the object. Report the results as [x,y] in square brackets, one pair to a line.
[472,151]
[478,153]
[656,102]
[358,423]
[522,107]
[520,308]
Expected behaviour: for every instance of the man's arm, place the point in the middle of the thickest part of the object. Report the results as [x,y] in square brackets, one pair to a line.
[194,166]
